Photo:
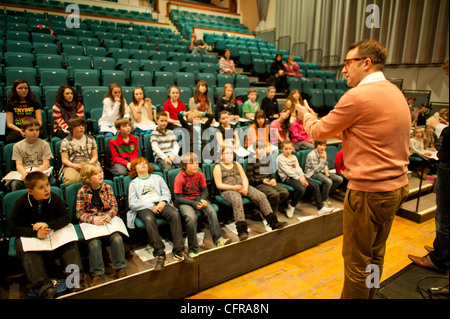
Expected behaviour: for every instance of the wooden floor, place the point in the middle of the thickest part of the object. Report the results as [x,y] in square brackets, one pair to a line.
[317,273]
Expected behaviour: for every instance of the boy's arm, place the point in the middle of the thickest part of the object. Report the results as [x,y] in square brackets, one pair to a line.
[209,121]
[181,200]
[80,208]
[112,202]
[58,207]
[20,168]
[182,120]
[18,225]
[175,147]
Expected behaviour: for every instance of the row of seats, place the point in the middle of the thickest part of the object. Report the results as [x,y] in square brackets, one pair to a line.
[84,8]
[186,20]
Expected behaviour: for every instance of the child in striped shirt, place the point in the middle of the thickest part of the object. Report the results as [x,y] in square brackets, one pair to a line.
[164,144]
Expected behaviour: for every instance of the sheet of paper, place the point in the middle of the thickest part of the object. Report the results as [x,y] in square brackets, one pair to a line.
[93,231]
[56,239]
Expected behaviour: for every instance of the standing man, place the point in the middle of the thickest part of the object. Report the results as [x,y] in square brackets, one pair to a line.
[374,123]
[439,253]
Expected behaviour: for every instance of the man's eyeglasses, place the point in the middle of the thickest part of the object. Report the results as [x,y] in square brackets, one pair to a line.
[347,61]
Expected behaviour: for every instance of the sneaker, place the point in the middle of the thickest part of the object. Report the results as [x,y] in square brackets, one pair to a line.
[193,254]
[182,256]
[160,262]
[290,211]
[223,241]
[325,210]
[49,293]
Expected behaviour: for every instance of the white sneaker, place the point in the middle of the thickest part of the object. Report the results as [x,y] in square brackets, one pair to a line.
[328,204]
[290,211]
[325,210]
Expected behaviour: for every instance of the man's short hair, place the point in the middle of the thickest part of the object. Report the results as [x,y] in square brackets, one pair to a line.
[32,178]
[75,122]
[121,122]
[29,122]
[373,50]
[251,90]
[161,114]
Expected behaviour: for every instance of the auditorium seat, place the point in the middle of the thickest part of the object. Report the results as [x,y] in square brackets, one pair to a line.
[113,76]
[17,59]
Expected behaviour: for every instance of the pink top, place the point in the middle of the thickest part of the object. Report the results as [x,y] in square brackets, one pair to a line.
[292,70]
[297,132]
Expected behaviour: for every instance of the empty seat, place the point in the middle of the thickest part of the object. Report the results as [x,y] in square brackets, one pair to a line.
[185,79]
[18,46]
[45,48]
[42,37]
[139,54]
[169,66]
[158,95]
[141,78]
[223,79]
[69,49]
[86,78]
[118,53]
[128,64]
[49,61]
[164,79]
[50,77]
[150,65]
[209,78]
[242,81]
[17,59]
[17,36]
[113,76]
[14,73]
[93,98]
[104,63]
[96,51]
[79,62]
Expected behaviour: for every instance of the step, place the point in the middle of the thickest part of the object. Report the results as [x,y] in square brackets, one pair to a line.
[419,213]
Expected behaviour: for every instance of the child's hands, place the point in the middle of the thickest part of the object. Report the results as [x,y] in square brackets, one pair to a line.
[99,220]
[159,208]
[303,181]
[204,203]
[168,160]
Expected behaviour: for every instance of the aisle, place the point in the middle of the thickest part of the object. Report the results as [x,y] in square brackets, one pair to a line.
[317,273]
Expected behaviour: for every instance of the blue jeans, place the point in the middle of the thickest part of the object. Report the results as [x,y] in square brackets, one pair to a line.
[300,191]
[330,183]
[439,257]
[190,219]
[97,267]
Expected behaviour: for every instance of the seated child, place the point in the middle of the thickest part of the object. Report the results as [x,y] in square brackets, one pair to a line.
[97,205]
[251,105]
[298,135]
[258,130]
[141,112]
[31,153]
[280,127]
[36,214]
[270,104]
[149,197]
[76,150]
[124,148]
[232,182]
[317,167]
[191,194]
[225,134]
[261,176]
[114,107]
[164,144]
[173,106]
[292,174]
[195,130]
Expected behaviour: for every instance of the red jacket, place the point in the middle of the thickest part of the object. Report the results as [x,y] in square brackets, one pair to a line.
[121,152]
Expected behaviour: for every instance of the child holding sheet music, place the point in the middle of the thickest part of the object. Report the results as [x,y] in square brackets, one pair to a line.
[35,215]
[30,154]
[97,205]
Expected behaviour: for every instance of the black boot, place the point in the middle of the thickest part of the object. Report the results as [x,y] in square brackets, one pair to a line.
[241,227]
[273,221]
